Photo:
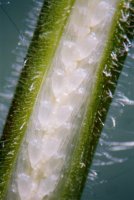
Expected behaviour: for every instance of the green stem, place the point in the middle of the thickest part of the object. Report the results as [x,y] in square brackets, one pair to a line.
[49,29]
[47,35]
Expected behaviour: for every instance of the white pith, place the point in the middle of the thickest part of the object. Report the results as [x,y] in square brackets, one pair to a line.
[61,104]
